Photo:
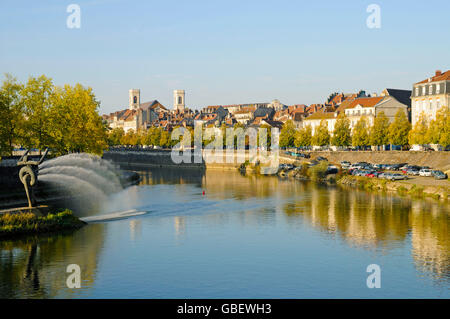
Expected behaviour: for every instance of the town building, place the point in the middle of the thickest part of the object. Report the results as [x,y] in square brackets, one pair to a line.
[355,109]
[429,95]
[179,100]
[138,115]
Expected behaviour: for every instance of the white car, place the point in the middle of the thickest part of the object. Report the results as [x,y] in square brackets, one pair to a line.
[425,172]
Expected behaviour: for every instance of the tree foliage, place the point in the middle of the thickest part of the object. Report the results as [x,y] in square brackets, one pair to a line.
[287,134]
[321,135]
[303,137]
[379,130]
[417,135]
[39,114]
[11,114]
[360,136]
[399,129]
[342,132]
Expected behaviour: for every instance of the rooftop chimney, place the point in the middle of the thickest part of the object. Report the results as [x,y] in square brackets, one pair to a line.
[438,72]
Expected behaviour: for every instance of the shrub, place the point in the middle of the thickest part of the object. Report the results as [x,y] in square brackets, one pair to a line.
[318,171]
[26,223]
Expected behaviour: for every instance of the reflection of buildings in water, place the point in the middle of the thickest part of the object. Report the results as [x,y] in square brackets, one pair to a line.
[359,217]
[374,220]
[28,268]
[180,226]
[173,175]
[361,228]
[430,239]
[135,229]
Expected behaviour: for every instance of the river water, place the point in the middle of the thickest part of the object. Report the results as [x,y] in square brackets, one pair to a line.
[244,237]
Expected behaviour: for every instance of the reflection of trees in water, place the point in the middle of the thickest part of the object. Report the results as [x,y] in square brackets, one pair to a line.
[31,267]
[375,220]
[430,236]
[162,175]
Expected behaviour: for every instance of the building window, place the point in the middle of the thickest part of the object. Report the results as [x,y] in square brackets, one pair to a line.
[424,90]
[417,91]
[135,99]
[180,99]
[438,88]
[430,90]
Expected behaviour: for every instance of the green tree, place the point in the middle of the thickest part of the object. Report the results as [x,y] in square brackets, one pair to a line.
[438,129]
[360,136]
[165,139]
[399,129]
[342,132]
[321,135]
[11,114]
[287,134]
[418,133]
[74,124]
[130,138]
[115,135]
[303,137]
[443,120]
[37,95]
[379,130]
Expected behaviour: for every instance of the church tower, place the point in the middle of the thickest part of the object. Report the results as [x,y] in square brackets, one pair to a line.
[134,98]
[178,100]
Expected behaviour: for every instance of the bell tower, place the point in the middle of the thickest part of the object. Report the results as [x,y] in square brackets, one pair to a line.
[134,99]
[178,100]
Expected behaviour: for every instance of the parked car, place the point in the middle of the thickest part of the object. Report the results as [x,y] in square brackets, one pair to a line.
[425,172]
[384,175]
[332,169]
[397,176]
[438,174]
[412,171]
[320,158]
[289,166]
[345,164]
[375,174]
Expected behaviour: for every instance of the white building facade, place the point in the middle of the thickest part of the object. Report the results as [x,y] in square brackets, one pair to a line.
[429,95]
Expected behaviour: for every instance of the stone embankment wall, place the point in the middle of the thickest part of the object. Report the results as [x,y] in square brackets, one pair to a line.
[147,158]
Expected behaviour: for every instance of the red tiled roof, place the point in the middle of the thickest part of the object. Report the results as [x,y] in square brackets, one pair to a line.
[366,101]
[439,76]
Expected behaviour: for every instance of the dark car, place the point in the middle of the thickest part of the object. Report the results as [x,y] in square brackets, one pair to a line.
[332,169]
[438,174]
[320,158]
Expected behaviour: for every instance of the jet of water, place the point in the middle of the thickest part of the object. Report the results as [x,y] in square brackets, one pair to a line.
[90,176]
[85,178]
[92,163]
[74,186]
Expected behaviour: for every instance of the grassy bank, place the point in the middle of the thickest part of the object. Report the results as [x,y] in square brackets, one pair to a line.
[30,223]
[401,188]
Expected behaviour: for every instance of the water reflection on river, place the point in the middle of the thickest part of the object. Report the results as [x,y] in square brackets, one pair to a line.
[246,237]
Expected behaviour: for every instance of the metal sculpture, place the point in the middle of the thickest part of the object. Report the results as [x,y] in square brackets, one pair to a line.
[28,175]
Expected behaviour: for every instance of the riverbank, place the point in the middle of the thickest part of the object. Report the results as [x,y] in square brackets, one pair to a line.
[416,186]
[28,222]
[405,187]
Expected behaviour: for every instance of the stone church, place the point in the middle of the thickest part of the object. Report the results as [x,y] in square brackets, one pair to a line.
[138,115]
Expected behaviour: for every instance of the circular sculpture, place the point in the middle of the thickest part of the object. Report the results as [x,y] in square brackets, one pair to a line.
[25,172]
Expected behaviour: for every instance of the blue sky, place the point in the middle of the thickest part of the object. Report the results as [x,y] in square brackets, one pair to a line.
[225,52]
